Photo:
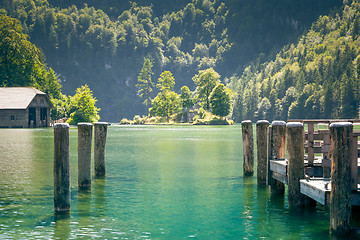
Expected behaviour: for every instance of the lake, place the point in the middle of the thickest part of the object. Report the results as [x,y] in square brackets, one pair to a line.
[162,182]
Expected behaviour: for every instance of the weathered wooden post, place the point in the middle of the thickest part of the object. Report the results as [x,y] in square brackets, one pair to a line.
[99,148]
[248,147]
[261,143]
[354,163]
[295,156]
[311,143]
[340,196]
[61,168]
[326,160]
[84,155]
[268,171]
[277,152]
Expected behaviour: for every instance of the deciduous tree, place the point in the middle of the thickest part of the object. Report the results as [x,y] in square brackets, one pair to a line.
[205,81]
[82,106]
[220,100]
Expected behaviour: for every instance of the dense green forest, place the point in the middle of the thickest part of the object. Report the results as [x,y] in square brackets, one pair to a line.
[22,63]
[317,77]
[103,43]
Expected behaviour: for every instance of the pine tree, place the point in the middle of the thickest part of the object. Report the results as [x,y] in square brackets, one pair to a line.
[145,84]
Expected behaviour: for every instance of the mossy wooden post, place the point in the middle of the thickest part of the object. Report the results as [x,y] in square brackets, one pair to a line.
[295,156]
[99,148]
[84,155]
[261,146]
[248,147]
[340,196]
[61,168]
[277,143]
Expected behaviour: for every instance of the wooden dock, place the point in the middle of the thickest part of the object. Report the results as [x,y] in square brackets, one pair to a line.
[328,154]
[317,163]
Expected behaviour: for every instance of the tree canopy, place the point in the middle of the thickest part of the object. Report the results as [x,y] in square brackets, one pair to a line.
[220,100]
[166,82]
[102,43]
[317,77]
[145,84]
[82,107]
[205,81]
[22,64]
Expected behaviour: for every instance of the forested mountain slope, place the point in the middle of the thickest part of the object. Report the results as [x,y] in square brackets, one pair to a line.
[103,42]
[318,77]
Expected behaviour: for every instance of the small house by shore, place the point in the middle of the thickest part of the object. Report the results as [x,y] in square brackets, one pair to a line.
[24,107]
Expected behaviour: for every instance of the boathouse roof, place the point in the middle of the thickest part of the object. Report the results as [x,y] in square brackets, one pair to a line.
[17,97]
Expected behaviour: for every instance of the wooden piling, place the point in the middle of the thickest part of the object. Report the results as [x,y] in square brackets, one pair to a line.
[61,168]
[99,148]
[261,143]
[311,130]
[354,163]
[295,156]
[268,171]
[248,147]
[340,196]
[277,151]
[326,159]
[84,155]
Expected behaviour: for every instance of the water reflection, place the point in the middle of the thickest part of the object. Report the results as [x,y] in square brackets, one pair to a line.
[99,196]
[248,207]
[62,227]
[162,183]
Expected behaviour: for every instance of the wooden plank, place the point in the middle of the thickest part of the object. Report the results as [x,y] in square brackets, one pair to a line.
[279,166]
[318,135]
[356,133]
[280,178]
[315,189]
[322,149]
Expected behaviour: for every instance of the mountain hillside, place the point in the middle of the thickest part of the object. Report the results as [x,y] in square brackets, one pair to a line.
[103,43]
[317,77]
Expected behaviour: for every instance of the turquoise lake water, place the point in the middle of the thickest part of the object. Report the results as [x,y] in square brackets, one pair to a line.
[162,182]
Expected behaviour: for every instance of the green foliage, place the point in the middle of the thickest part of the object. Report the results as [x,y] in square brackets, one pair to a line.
[316,78]
[165,104]
[186,98]
[82,107]
[126,121]
[102,41]
[60,108]
[145,83]
[138,120]
[22,63]
[205,81]
[166,82]
[220,100]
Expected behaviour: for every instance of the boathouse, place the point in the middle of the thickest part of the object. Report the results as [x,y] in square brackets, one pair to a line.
[24,107]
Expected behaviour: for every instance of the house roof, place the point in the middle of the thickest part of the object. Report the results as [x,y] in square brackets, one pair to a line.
[17,97]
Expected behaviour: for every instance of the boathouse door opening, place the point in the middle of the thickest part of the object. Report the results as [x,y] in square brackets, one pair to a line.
[32,117]
[43,115]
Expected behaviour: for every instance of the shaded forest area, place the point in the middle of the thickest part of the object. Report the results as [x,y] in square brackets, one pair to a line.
[317,77]
[104,43]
